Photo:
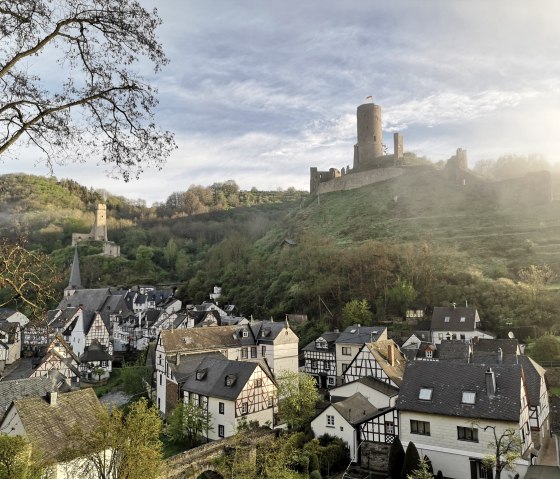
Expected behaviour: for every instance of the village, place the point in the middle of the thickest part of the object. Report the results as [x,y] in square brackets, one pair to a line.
[450,388]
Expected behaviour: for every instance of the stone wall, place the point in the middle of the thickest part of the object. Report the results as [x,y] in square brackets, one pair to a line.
[357,180]
[374,456]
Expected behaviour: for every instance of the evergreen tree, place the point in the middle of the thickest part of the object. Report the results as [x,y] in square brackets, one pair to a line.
[396,458]
[411,461]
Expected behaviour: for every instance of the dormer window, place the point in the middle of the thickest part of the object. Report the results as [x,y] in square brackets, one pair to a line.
[200,374]
[230,380]
[245,333]
[321,344]
[469,397]
[425,394]
[429,354]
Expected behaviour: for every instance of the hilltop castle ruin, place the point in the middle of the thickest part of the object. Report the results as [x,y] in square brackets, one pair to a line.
[99,233]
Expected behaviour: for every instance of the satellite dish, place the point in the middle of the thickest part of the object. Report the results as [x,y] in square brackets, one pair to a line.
[511,335]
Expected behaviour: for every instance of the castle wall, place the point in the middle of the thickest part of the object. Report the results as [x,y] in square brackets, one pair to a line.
[357,180]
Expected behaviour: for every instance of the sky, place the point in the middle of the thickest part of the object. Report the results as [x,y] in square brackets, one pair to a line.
[259,91]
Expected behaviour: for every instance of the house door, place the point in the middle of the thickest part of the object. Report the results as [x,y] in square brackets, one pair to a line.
[478,471]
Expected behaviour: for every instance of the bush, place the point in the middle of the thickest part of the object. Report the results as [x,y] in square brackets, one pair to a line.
[315,475]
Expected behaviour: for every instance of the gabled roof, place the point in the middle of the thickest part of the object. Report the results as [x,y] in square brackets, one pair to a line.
[95,353]
[193,339]
[216,371]
[453,350]
[458,318]
[360,334]
[533,374]
[75,281]
[380,351]
[373,383]
[448,381]
[328,336]
[13,389]
[91,299]
[267,331]
[49,427]
[6,313]
[508,346]
[356,409]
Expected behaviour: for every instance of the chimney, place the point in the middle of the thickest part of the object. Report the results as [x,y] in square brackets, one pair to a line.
[178,359]
[390,354]
[52,397]
[490,382]
[336,330]
[500,355]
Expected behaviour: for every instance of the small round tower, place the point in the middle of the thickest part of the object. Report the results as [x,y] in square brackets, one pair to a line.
[370,140]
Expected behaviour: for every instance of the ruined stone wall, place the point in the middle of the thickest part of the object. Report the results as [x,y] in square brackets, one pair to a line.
[374,456]
[357,180]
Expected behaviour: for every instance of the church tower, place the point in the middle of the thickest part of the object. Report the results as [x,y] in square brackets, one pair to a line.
[75,278]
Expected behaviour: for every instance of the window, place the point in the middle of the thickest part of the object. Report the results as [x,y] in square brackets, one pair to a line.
[253,351]
[263,351]
[258,382]
[389,427]
[313,364]
[462,320]
[220,407]
[467,434]
[462,336]
[326,365]
[331,381]
[346,351]
[344,366]
[446,319]
[244,354]
[160,379]
[244,408]
[440,336]
[330,421]
[420,427]
[429,354]
[221,431]
[245,333]
[270,401]
[469,397]
[425,394]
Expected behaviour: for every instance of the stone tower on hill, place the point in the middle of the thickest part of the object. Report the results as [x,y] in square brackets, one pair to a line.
[99,233]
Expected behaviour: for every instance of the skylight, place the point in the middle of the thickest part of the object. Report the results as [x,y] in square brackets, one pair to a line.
[469,397]
[462,319]
[425,394]
[446,319]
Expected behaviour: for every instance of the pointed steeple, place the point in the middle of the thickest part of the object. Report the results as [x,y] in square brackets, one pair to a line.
[75,279]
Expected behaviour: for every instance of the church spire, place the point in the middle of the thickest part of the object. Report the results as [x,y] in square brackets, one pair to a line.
[75,279]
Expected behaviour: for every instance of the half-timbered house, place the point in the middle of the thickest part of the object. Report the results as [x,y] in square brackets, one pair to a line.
[59,357]
[376,391]
[320,359]
[10,343]
[382,360]
[231,392]
[350,342]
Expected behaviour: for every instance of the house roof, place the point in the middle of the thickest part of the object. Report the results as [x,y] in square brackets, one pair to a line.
[448,380]
[508,346]
[49,427]
[329,337]
[533,374]
[355,409]
[453,350]
[216,370]
[75,281]
[13,389]
[94,353]
[372,383]
[6,313]
[9,327]
[454,318]
[189,363]
[267,331]
[91,299]
[380,351]
[193,339]
[360,334]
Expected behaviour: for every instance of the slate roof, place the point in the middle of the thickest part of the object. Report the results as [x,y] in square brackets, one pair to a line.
[453,350]
[449,379]
[356,409]
[9,327]
[373,383]
[49,428]
[360,334]
[267,331]
[533,374]
[328,336]
[13,389]
[75,281]
[6,313]
[90,299]
[189,363]
[216,371]
[193,339]
[454,314]
[95,352]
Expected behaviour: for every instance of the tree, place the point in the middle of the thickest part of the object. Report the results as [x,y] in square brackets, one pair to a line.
[188,423]
[401,295]
[27,279]
[356,312]
[507,449]
[98,371]
[103,109]
[421,472]
[17,461]
[396,458]
[546,347]
[411,460]
[297,393]
[133,440]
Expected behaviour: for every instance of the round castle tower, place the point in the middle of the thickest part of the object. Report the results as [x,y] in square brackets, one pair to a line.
[370,139]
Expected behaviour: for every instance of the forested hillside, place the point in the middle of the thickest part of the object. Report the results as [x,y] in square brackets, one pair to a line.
[417,239]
